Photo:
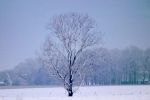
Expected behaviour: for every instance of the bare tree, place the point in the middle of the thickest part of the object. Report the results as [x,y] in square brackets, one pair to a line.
[146,64]
[66,52]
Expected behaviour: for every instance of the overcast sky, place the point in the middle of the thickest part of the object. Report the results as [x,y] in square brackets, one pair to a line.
[22,24]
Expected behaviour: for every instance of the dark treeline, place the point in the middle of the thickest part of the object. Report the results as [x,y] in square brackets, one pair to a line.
[127,66]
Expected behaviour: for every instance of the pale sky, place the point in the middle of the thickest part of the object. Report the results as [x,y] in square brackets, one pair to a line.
[22,24]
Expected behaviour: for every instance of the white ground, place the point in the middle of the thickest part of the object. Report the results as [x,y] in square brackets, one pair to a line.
[84,93]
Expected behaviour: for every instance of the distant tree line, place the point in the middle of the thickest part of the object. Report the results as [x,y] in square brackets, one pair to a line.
[127,66]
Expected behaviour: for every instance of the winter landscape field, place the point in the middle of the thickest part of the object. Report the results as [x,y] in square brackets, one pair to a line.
[139,92]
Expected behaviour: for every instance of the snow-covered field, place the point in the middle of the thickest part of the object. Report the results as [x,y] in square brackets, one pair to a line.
[84,93]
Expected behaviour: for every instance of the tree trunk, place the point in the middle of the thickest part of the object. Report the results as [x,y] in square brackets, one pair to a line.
[149,78]
[143,78]
[70,92]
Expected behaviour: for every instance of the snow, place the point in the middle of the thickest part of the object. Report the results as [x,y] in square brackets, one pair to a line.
[139,92]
